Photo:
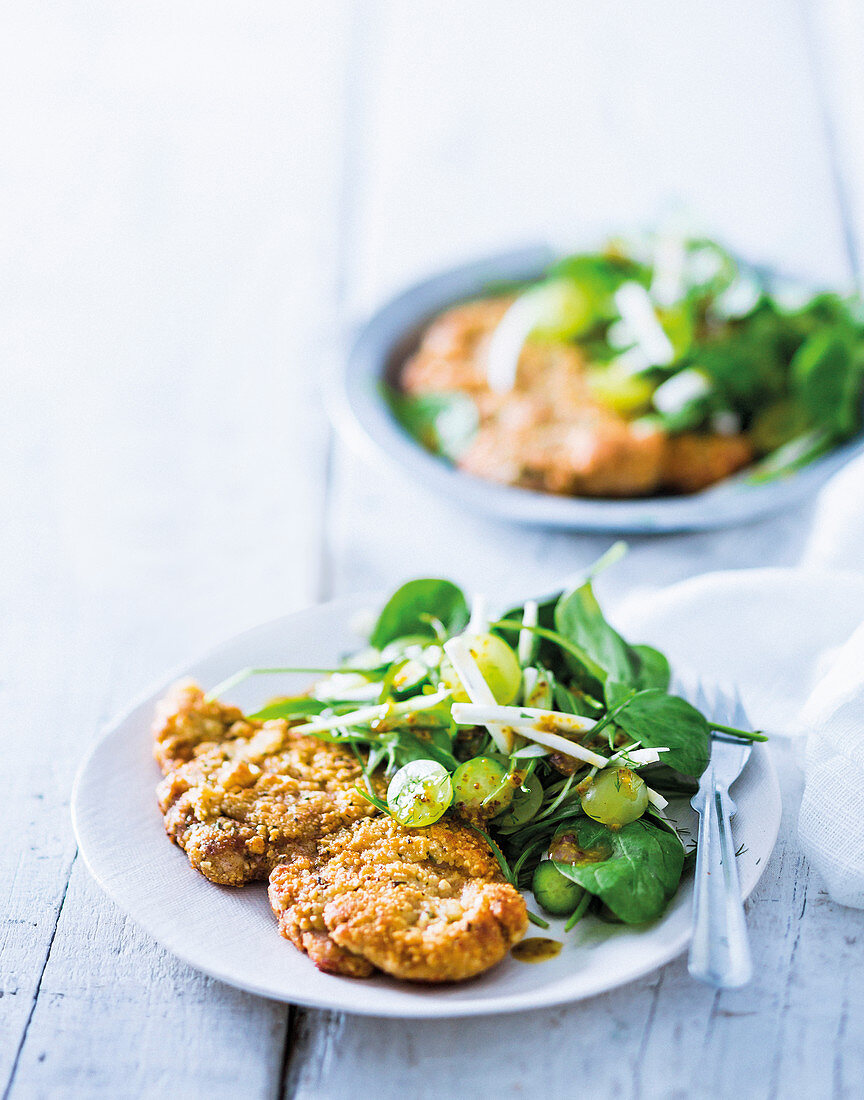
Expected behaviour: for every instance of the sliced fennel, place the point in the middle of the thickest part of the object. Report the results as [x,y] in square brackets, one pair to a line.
[477,689]
[527,640]
[637,313]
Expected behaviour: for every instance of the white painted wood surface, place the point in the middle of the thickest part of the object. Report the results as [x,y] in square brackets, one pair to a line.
[204,200]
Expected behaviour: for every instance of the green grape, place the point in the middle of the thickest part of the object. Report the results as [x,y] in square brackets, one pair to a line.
[409,676]
[564,310]
[625,393]
[479,779]
[498,664]
[615,797]
[554,892]
[419,793]
[524,806]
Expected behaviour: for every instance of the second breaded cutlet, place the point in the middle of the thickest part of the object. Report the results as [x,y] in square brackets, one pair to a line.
[426,904]
[239,795]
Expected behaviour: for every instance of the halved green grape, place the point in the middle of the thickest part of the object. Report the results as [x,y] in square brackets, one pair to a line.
[498,664]
[564,309]
[615,797]
[419,793]
[554,892]
[409,677]
[479,779]
[619,389]
[526,802]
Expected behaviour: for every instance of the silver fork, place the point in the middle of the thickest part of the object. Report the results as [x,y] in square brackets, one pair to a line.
[719,951]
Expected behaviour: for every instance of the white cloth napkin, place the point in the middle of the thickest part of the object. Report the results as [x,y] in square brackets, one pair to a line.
[792,640]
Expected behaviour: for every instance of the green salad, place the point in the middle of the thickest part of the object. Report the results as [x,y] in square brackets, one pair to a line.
[543,730]
[680,336]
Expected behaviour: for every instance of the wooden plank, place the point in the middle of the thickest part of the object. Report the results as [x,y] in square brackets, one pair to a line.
[164,456]
[115,1014]
[487,128]
[836,41]
[492,125]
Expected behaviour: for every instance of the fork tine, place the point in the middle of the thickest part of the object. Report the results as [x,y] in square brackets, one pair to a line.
[700,699]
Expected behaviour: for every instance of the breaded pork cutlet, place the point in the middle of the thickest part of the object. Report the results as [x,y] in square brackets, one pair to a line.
[238,795]
[356,892]
[427,904]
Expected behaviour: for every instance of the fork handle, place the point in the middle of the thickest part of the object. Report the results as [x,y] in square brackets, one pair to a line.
[719,952]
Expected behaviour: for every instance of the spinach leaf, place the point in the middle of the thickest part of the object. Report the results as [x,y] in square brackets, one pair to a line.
[653,670]
[659,720]
[409,608]
[445,423]
[297,707]
[575,702]
[745,367]
[579,619]
[634,871]
[824,375]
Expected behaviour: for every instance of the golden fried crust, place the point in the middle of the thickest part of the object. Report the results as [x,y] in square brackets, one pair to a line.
[424,904]
[693,462]
[184,720]
[452,351]
[239,795]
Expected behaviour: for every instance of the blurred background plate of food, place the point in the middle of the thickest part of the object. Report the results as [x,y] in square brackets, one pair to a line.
[655,384]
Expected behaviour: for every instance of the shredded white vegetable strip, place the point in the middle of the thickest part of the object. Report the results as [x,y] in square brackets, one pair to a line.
[657,799]
[347,686]
[679,390]
[667,283]
[637,312]
[532,723]
[370,714]
[560,744]
[525,649]
[468,671]
[509,338]
[479,621]
[637,756]
[472,714]
[530,752]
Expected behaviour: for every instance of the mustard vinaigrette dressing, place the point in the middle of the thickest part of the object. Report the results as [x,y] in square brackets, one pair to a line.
[536,949]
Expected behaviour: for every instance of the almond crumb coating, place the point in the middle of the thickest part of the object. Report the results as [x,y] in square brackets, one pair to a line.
[426,904]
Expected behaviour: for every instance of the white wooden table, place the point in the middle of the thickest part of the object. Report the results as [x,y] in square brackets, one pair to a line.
[202,201]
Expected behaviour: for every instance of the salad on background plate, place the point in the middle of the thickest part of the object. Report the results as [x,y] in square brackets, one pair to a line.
[654,368]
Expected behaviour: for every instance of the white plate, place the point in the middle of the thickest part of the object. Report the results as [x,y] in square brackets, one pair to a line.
[361,412]
[231,934]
